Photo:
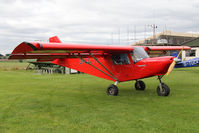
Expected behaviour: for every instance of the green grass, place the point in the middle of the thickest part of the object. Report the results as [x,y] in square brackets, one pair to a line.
[12,65]
[34,103]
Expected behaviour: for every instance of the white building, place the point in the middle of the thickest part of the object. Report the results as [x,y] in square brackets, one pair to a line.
[194,52]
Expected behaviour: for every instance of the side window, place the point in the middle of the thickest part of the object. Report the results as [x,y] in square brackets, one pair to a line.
[191,53]
[120,59]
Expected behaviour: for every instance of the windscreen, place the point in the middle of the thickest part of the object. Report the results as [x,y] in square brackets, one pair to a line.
[139,54]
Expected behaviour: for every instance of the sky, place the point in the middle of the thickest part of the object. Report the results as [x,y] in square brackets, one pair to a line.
[118,22]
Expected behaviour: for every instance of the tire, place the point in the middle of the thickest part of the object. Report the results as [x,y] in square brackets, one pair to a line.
[140,85]
[165,90]
[112,90]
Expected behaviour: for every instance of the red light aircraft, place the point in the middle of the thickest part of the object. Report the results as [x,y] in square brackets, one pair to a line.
[116,63]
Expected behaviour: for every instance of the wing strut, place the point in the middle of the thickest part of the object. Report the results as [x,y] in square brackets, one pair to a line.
[103,66]
[111,76]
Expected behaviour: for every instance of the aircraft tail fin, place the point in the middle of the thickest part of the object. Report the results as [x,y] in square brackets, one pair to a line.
[54,39]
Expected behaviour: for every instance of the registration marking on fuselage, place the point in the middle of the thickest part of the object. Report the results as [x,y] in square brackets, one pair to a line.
[87,60]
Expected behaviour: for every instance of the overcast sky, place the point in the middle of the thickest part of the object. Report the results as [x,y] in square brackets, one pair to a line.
[92,21]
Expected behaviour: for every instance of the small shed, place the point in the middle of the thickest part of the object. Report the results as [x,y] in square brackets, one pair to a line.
[46,67]
[49,68]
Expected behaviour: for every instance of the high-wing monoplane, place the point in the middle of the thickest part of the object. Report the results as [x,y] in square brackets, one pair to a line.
[111,62]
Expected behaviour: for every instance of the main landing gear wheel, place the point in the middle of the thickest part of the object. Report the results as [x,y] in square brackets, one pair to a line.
[140,85]
[163,90]
[112,90]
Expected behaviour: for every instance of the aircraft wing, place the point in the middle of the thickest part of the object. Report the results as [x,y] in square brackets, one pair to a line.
[167,48]
[56,49]
[162,50]
[40,50]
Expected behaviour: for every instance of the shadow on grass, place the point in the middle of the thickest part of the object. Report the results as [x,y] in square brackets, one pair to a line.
[133,92]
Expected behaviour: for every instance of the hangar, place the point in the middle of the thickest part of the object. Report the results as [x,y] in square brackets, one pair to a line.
[168,38]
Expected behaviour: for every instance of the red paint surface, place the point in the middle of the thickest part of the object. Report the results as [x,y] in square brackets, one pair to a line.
[142,69]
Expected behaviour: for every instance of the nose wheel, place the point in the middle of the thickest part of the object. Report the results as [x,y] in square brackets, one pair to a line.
[162,89]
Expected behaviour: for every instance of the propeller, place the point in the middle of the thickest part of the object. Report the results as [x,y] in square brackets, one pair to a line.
[173,63]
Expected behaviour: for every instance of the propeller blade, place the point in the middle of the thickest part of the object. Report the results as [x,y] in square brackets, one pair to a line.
[180,52]
[171,68]
[173,63]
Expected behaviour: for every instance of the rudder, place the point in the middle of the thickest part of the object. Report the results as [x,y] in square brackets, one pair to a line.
[54,39]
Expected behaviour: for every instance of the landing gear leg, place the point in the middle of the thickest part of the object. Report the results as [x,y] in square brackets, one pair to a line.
[162,89]
[112,90]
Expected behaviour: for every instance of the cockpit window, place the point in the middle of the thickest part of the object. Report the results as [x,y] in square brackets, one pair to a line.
[138,54]
[120,59]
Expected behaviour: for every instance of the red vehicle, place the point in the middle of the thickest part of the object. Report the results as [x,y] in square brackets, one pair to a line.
[116,63]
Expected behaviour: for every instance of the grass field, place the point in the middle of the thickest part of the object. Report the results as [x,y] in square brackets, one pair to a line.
[13,65]
[34,103]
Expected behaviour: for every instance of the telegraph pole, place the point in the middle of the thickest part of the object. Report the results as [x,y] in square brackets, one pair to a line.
[154,37]
[153,26]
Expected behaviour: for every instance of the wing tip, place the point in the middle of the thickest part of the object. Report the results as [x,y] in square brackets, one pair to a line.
[26,47]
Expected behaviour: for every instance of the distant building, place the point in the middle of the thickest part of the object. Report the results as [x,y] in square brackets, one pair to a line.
[8,55]
[194,52]
[49,68]
[167,38]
